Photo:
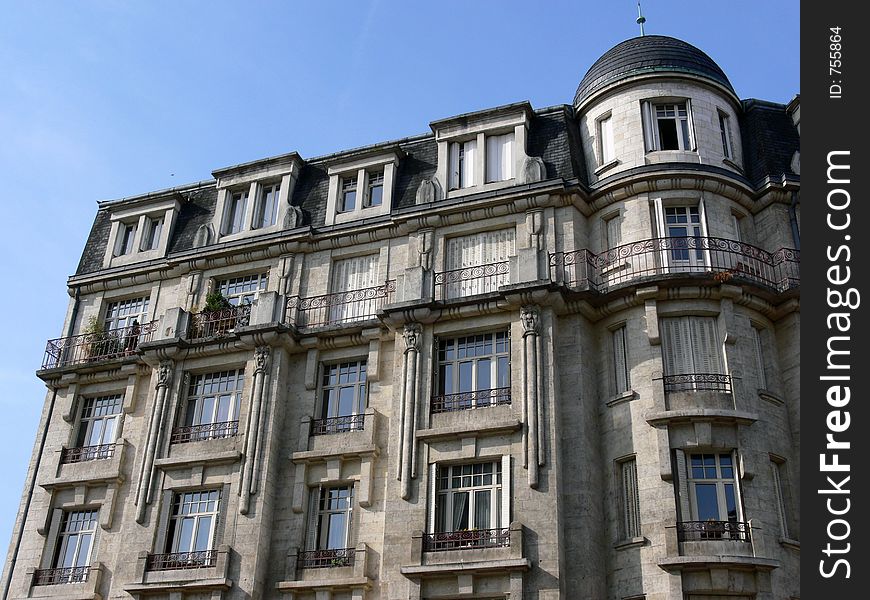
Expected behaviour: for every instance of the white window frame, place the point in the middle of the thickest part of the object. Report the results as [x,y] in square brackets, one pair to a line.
[319,523]
[153,233]
[606,147]
[374,180]
[242,289]
[349,185]
[475,250]
[471,350]
[358,172]
[719,480]
[195,506]
[698,258]
[99,423]
[336,377]
[463,159]
[499,157]
[78,533]
[268,203]
[651,118]
[143,243]
[207,393]
[125,242]
[235,213]
[349,275]
[442,500]
[725,134]
[133,309]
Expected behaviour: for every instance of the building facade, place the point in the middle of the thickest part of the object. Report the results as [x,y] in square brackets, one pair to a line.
[537,353]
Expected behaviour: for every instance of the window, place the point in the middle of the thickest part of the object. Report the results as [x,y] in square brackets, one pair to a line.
[97,430]
[667,126]
[759,357]
[462,158]
[468,497]
[348,275]
[499,157]
[267,207]
[235,213]
[124,242]
[375,191]
[473,372]
[612,232]
[243,289]
[343,398]
[622,382]
[690,346]
[630,499]
[124,313]
[735,221]
[212,409]
[490,249]
[725,132]
[74,546]
[713,489]
[192,527]
[329,527]
[684,224]
[605,140]
[347,202]
[777,469]
[153,230]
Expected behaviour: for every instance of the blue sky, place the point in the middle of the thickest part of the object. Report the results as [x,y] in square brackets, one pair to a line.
[105,99]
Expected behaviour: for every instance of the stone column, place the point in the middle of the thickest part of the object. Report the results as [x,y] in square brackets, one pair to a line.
[254,429]
[165,372]
[407,444]
[530,316]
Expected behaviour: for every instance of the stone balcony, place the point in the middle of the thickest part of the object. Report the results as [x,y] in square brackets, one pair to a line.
[323,571]
[76,583]
[181,574]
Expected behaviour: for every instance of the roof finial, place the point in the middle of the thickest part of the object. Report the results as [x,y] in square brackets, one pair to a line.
[640,18]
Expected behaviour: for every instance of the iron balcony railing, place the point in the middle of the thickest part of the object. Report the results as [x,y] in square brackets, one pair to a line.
[181,560]
[697,382]
[695,531]
[721,259]
[339,308]
[93,347]
[318,559]
[217,323]
[469,400]
[467,539]
[338,424]
[86,453]
[60,576]
[471,281]
[204,431]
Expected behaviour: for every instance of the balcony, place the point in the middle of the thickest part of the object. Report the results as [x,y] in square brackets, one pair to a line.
[720,259]
[697,382]
[204,431]
[471,400]
[348,570]
[86,453]
[319,559]
[471,281]
[70,583]
[61,576]
[218,323]
[698,531]
[340,308]
[87,348]
[338,424]
[181,560]
[464,540]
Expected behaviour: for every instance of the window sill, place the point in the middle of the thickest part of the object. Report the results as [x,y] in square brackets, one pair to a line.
[730,163]
[628,543]
[666,156]
[626,396]
[474,189]
[606,166]
[790,543]
[770,397]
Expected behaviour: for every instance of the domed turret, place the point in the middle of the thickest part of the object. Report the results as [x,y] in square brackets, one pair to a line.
[648,56]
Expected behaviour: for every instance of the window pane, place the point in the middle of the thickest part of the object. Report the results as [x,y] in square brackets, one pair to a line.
[68,552]
[668,134]
[482,509]
[708,505]
[185,535]
[203,534]
[345,402]
[337,528]
[465,371]
[730,502]
[484,374]
[460,511]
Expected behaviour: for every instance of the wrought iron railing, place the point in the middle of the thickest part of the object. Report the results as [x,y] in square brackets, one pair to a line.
[462,540]
[217,323]
[697,382]
[471,281]
[181,560]
[60,576]
[204,431]
[92,347]
[343,307]
[469,400]
[318,559]
[338,424]
[86,453]
[722,259]
[693,531]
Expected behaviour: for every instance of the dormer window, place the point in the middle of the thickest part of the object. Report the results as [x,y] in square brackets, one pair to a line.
[140,230]
[348,194]
[267,205]
[375,193]
[462,157]
[668,125]
[124,245]
[153,227]
[235,215]
[499,157]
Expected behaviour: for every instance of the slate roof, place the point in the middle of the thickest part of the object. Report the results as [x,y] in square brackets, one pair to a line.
[770,140]
[648,54]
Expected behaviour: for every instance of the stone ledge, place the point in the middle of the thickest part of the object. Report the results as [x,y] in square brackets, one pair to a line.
[324,584]
[469,430]
[504,565]
[635,542]
[790,543]
[755,563]
[770,397]
[195,585]
[626,396]
[226,457]
[670,417]
[312,456]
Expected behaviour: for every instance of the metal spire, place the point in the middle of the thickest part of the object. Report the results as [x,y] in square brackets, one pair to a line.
[640,18]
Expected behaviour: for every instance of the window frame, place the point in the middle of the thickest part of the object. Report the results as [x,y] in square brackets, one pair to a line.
[503,144]
[621,371]
[499,367]
[683,351]
[266,207]
[629,494]
[90,518]
[725,134]
[259,280]
[175,532]
[349,184]
[236,210]
[111,322]
[153,233]
[330,407]
[605,139]
[374,180]
[230,383]
[652,134]
[462,161]
[445,497]
[87,421]
[701,259]
[126,239]
[314,537]
[720,481]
